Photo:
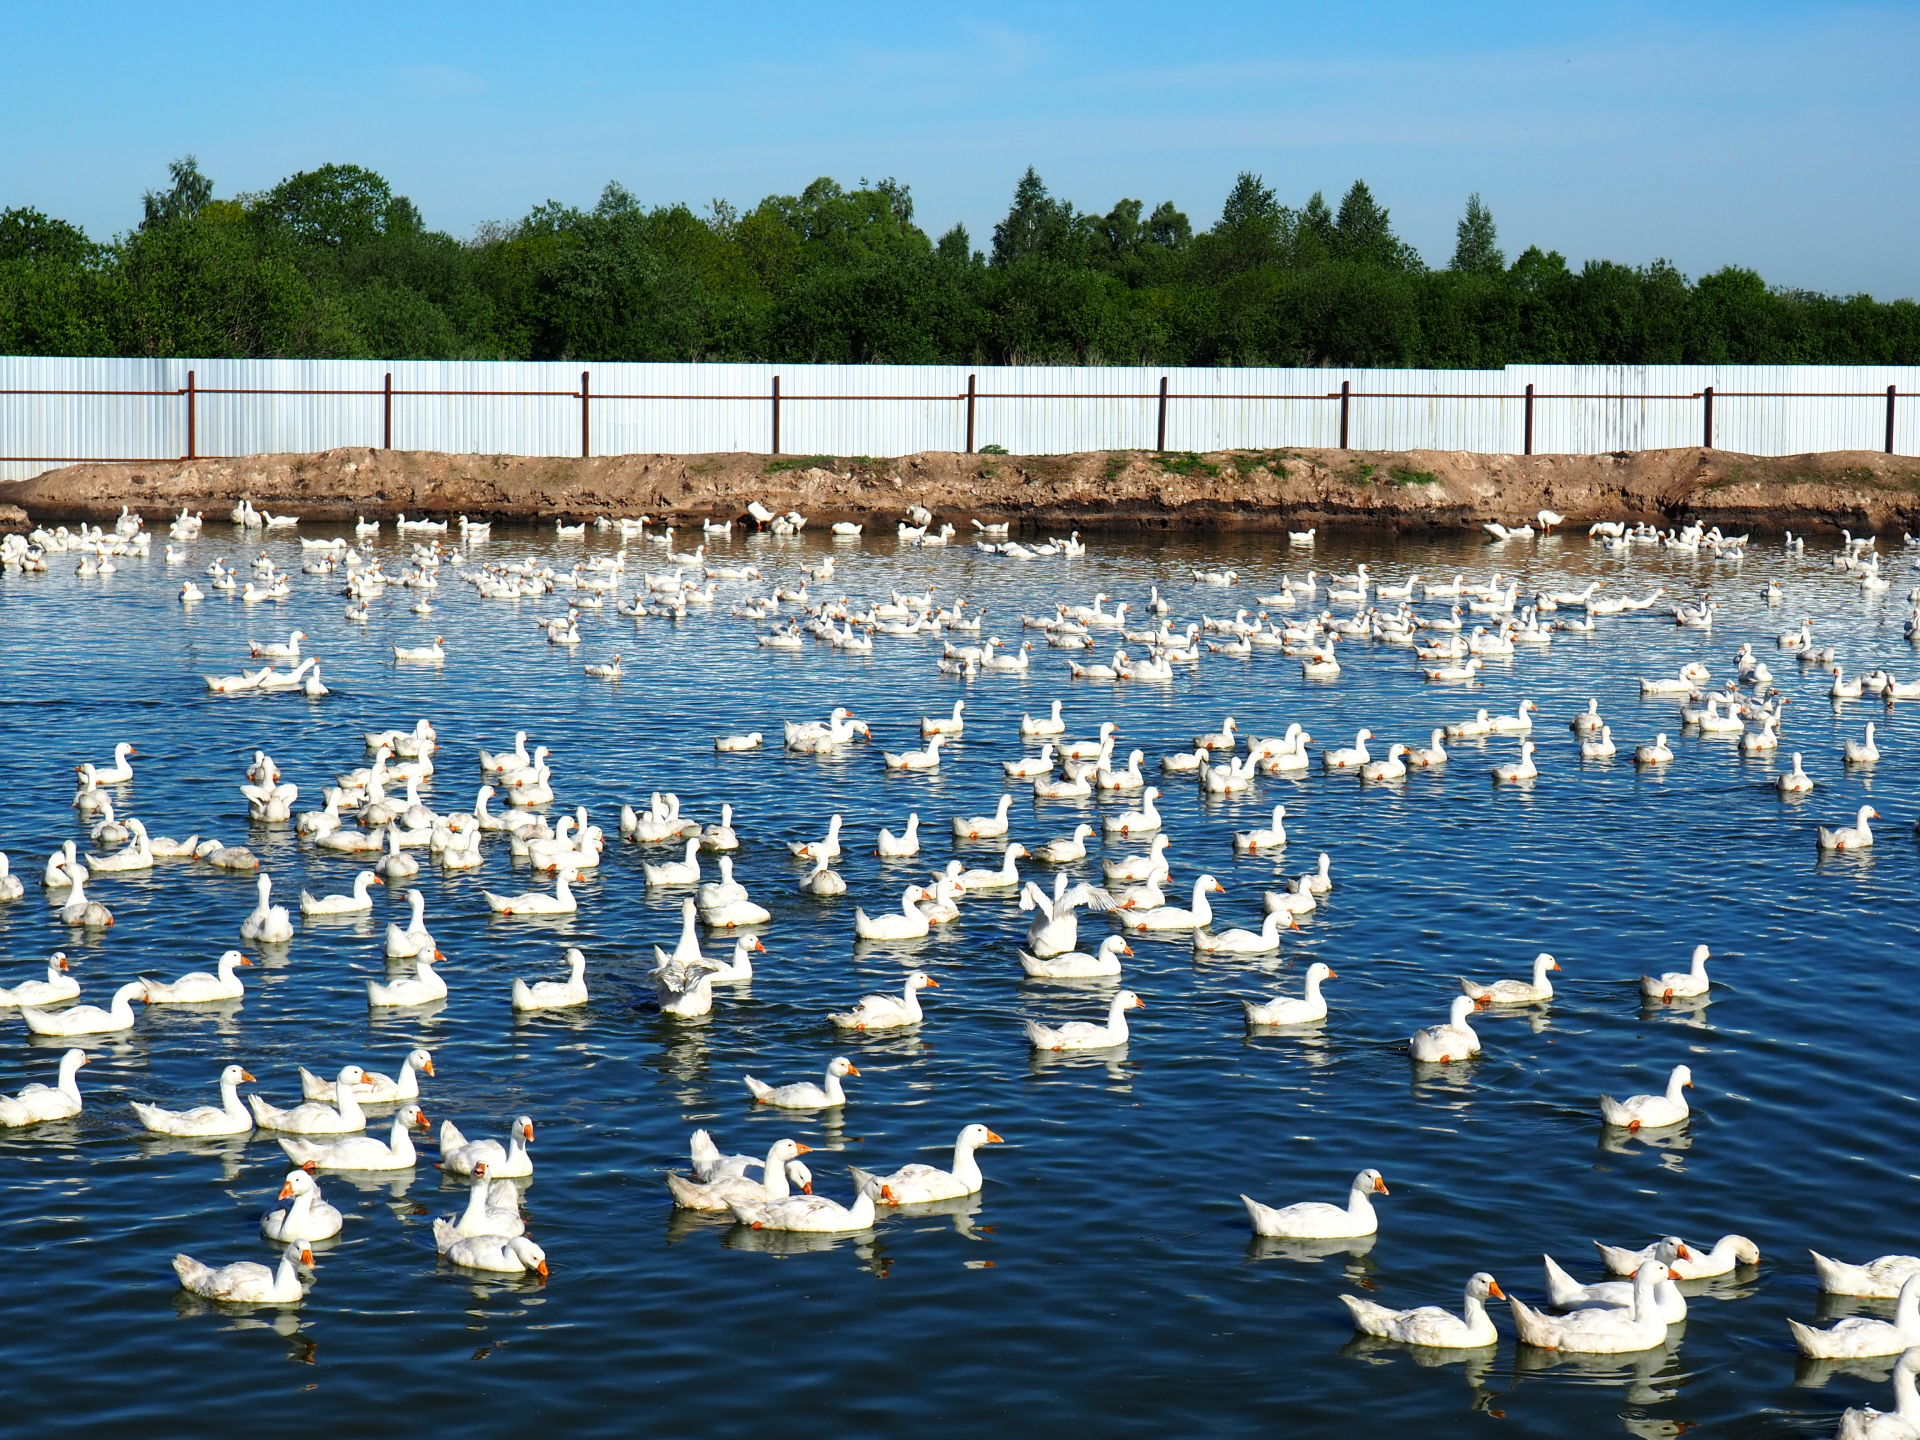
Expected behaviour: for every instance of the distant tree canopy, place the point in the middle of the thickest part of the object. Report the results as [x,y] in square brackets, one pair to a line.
[330,262]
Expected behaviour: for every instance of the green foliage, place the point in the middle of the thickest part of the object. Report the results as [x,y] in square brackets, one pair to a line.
[1187,464]
[1401,476]
[330,262]
[797,462]
[992,450]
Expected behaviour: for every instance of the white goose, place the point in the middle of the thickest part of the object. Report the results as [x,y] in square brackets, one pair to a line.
[34,1104]
[362,1152]
[1264,941]
[1455,1040]
[1065,849]
[301,1212]
[269,924]
[198,987]
[1878,1279]
[916,760]
[1430,1325]
[1796,781]
[808,1214]
[555,994]
[1077,964]
[87,1019]
[229,1117]
[403,943]
[1566,1293]
[1864,1335]
[1857,836]
[805,1094]
[1680,984]
[1602,1331]
[1696,1264]
[1317,1220]
[926,1184]
[1308,1009]
[1651,1112]
[985,827]
[538,902]
[1086,1034]
[59,985]
[1197,915]
[907,923]
[821,882]
[1515,992]
[459,1155]
[1269,837]
[829,846]
[887,1012]
[904,846]
[1900,1423]
[1033,727]
[717,1192]
[373,1087]
[314,1117]
[1144,821]
[1351,758]
[356,901]
[424,987]
[247,1282]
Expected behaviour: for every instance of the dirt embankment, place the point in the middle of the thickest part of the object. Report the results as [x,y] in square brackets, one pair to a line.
[1106,489]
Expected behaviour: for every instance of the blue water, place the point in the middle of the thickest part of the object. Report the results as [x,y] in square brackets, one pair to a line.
[1105,1276]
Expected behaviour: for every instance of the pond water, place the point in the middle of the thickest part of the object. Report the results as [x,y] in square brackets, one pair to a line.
[1105,1275]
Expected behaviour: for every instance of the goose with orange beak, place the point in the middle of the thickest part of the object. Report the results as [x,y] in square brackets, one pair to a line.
[500,1254]
[921,1184]
[1317,1220]
[229,1117]
[1431,1325]
[459,1156]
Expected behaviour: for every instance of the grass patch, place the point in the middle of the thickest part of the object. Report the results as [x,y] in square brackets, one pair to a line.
[993,450]
[1413,477]
[797,462]
[1187,464]
[1110,472]
[1361,475]
[1274,462]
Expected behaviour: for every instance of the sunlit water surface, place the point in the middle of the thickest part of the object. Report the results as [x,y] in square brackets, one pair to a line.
[1105,1277]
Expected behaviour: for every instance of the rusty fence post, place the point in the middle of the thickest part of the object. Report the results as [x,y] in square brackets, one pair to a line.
[1160,430]
[586,401]
[776,415]
[386,413]
[972,395]
[1890,394]
[192,418]
[1346,407]
[1707,434]
[1526,445]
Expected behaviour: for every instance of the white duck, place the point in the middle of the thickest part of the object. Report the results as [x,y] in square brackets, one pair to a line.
[1352,757]
[1603,1331]
[362,1152]
[58,986]
[1077,964]
[1854,752]
[354,902]
[828,846]
[198,987]
[984,827]
[1515,992]
[1430,1325]
[301,1212]
[917,760]
[1656,753]
[1696,1264]
[80,912]
[1004,876]
[37,1103]
[1034,727]
[1455,1040]
[1308,1009]
[268,924]
[808,1214]
[1086,1034]
[1144,821]
[805,1094]
[405,942]
[1197,915]
[87,1019]
[718,1191]
[1065,849]
[1317,1220]
[1796,781]
[1264,941]
[1865,1335]
[904,846]
[887,1012]
[246,1282]
[555,994]
[458,1155]
[1902,1422]
[492,1208]
[229,1117]
[313,1117]
[1651,1112]
[925,1184]
[821,882]
[1878,1279]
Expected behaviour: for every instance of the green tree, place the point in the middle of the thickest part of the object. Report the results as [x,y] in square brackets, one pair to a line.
[181,200]
[1476,249]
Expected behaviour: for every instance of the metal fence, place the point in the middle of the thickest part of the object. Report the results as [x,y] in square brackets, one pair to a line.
[61,411]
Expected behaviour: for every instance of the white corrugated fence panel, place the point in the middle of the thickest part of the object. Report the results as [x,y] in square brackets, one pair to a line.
[534,408]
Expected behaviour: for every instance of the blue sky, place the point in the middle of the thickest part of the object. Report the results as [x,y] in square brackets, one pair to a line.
[1777,135]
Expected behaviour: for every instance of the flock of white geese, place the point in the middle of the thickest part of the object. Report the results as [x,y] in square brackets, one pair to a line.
[376,809]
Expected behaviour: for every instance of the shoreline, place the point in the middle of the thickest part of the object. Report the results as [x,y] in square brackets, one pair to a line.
[1286,488]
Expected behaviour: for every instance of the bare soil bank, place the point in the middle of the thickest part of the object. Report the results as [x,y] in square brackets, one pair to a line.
[1105,489]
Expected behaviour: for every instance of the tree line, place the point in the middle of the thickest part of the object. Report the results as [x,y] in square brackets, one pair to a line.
[331,263]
